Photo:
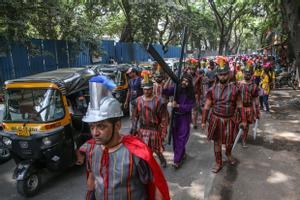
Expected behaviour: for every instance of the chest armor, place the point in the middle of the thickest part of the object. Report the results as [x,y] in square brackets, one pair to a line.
[247,92]
[224,99]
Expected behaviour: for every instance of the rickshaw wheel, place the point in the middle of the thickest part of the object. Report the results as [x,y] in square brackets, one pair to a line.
[29,186]
[5,155]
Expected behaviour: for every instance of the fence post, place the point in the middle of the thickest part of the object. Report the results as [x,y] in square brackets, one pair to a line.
[68,54]
[56,57]
[13,70]
[28,59]
[42,54]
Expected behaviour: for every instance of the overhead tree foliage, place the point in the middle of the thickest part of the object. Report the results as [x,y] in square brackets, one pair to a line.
[227,25]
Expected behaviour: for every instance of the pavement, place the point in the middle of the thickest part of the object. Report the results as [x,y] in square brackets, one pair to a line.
[268,169]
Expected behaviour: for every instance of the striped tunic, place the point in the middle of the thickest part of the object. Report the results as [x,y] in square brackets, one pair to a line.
[198,89]
[127,174]
[248,93]
[157,89]
[222,118]
[152,118]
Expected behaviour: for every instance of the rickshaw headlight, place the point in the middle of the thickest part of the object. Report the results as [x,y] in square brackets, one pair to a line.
[46,141]
[6,141]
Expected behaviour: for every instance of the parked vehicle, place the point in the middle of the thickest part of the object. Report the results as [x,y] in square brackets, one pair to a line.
[42,123]
[286,78]
[4,151]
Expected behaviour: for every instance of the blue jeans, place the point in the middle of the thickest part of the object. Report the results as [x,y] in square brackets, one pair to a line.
[266,102]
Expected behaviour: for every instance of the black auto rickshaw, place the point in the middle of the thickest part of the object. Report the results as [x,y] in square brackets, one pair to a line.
[42,122]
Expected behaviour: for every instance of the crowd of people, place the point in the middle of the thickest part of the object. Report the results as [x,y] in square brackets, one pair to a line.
[227,92]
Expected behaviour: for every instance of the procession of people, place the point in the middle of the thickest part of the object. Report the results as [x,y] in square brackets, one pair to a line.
[227,93]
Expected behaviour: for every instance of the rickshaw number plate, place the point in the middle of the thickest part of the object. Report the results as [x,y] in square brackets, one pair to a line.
[23,144]
[24,132]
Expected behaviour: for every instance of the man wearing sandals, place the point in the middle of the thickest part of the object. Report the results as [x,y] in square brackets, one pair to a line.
[151,114]
[183,104]
[249,97]
[221,103]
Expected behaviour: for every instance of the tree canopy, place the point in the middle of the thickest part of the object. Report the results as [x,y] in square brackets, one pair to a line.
[228,26]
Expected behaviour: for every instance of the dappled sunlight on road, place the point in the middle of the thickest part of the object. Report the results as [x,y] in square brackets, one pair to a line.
[288,136]
[194,177]
[277,177]
[194,191]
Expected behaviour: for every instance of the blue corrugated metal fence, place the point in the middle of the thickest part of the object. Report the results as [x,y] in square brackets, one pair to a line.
[17,60]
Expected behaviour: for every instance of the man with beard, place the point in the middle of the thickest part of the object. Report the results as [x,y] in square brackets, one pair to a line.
[118,166]
[151,115]
[222,99]
[158,85]
[211,74]
[250,103]
[183,104]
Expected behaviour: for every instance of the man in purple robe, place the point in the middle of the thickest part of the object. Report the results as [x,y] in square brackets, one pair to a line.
[183,104]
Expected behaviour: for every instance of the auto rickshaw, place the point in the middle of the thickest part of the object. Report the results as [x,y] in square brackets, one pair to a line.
[42,122]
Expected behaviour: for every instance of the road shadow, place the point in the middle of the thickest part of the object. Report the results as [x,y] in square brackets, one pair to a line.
[223,185]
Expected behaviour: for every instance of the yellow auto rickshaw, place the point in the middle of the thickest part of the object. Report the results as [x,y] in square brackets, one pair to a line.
[42,124]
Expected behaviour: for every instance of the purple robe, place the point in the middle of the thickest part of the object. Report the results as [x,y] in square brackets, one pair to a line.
[181,124]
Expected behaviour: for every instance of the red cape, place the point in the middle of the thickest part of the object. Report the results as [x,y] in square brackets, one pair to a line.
[137,147]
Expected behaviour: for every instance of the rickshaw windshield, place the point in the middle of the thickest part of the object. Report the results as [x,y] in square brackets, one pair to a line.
[120,78]
[33,105]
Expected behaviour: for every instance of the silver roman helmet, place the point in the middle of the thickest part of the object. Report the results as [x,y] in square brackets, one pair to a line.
[102,104]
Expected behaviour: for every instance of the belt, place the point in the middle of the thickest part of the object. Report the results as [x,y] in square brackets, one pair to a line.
[223,116]
[151,127]
[247,105]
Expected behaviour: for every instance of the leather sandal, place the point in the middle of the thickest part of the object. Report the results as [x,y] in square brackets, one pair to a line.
[232,161]
[216,168]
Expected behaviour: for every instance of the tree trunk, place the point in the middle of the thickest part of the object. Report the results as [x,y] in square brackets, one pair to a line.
[291,10]
[221,44]
[127,33]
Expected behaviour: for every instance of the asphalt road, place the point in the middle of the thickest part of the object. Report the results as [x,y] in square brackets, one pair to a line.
[268,169]
[188,182]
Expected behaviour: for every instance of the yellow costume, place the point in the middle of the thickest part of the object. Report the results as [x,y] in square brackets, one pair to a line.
[265,84]
[258,72]
[239,76]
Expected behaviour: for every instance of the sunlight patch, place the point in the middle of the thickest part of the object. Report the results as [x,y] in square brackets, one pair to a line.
[289,136]
[277,177]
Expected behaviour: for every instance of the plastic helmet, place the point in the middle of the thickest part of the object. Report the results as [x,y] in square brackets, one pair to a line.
[102,105]
[147,83]
[248,69]
[222,65]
